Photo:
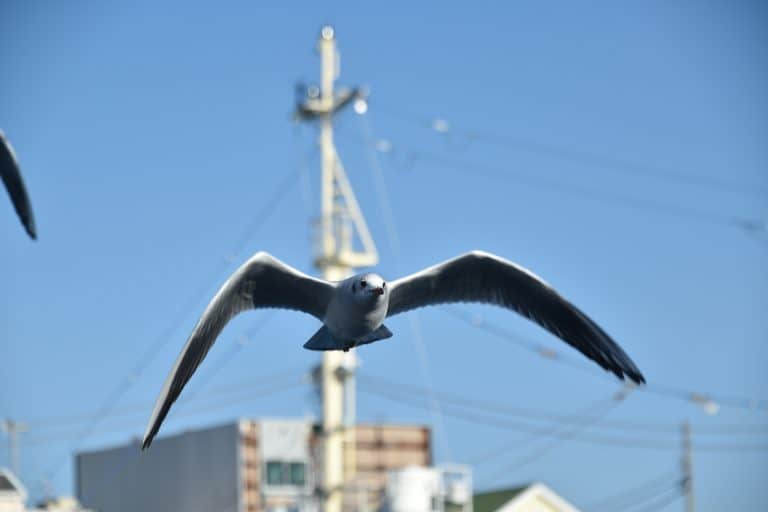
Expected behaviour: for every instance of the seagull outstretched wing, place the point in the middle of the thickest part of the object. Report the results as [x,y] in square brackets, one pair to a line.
[262,282]
[486,278]
[11,176]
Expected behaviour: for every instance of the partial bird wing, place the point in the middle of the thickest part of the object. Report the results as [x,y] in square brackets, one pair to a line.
[11,176]
[262,282]
[486,278]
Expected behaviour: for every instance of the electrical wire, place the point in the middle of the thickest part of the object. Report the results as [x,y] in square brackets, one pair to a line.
[417,337]
[225,358]
[499,409]
[493,408]
[559,433]
[635,493]
[700,398]
[411,157]
[203,403]
[656,502]
[634,202]
[412,399]
[593,161]
[110,403]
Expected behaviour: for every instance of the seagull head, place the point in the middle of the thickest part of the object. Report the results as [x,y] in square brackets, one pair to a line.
[369,287]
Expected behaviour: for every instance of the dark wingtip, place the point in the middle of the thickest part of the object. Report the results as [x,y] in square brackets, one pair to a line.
[149,436]
[634,375]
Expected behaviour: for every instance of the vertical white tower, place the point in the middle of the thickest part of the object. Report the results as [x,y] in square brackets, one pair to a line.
[337,255]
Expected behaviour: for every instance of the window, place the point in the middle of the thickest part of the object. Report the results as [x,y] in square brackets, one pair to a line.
[274,473]
[286,473]
[297,473]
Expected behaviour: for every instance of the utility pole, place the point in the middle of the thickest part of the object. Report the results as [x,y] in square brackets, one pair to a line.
[336,258]
[13,429]
[687,466]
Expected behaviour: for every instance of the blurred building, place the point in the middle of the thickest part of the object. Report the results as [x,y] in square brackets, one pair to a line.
[13,495]
[528,498]
[13,498]
[245,466]
[60,504]
[429,489]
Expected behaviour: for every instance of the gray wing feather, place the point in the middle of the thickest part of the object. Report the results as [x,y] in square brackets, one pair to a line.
[11,176]
[262,282]
[486,278]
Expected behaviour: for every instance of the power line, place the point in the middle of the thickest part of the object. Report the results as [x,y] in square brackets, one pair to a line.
[660,504]
[417,338]
[655,502]
[53,422]
[235,349]
[669,428]
[154,349]
[210,401]
[635,493]
[708,401]
[412,157]
[563,432]
[412,400]
[593,160]
[634,202]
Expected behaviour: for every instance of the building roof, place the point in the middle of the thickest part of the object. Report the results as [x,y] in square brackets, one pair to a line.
[534,496]
[5,484]
[10,487]
[493,500]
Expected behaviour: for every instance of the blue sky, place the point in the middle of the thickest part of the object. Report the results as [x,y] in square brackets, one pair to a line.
[152,135]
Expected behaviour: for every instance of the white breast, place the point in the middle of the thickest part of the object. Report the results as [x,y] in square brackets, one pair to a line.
[349,319]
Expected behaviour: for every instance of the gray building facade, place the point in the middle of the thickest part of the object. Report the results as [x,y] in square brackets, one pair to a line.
[244,466]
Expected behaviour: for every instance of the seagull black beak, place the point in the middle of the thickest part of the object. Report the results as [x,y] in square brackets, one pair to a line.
[378,291]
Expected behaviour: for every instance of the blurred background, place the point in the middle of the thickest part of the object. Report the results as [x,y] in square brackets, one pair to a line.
[618,151]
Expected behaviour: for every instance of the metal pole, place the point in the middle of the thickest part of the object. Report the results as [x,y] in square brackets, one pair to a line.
[687,465]
[13,429]
[332,270]
[340,220]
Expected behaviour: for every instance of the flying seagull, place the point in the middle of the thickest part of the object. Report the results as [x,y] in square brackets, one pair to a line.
[353,310]
[11,176]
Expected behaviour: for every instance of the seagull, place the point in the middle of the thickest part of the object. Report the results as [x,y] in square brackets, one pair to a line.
[353,310]
[11,176]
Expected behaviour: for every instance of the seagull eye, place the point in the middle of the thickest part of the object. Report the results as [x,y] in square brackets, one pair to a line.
[363,283]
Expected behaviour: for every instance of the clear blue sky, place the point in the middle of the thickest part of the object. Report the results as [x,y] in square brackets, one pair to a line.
[151,134]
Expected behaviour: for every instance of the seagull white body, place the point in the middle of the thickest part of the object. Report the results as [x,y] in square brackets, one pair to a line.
[353,311]
[356,310]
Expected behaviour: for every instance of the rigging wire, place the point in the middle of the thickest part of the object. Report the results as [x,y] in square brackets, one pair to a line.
[708,401]
[410,157]
[655,502]
[499,409]
[490,420]
[616,199]
[417,337]
[235,349]
[110,403]
[592,160]
[558,433]
[635,493]
[272,386]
